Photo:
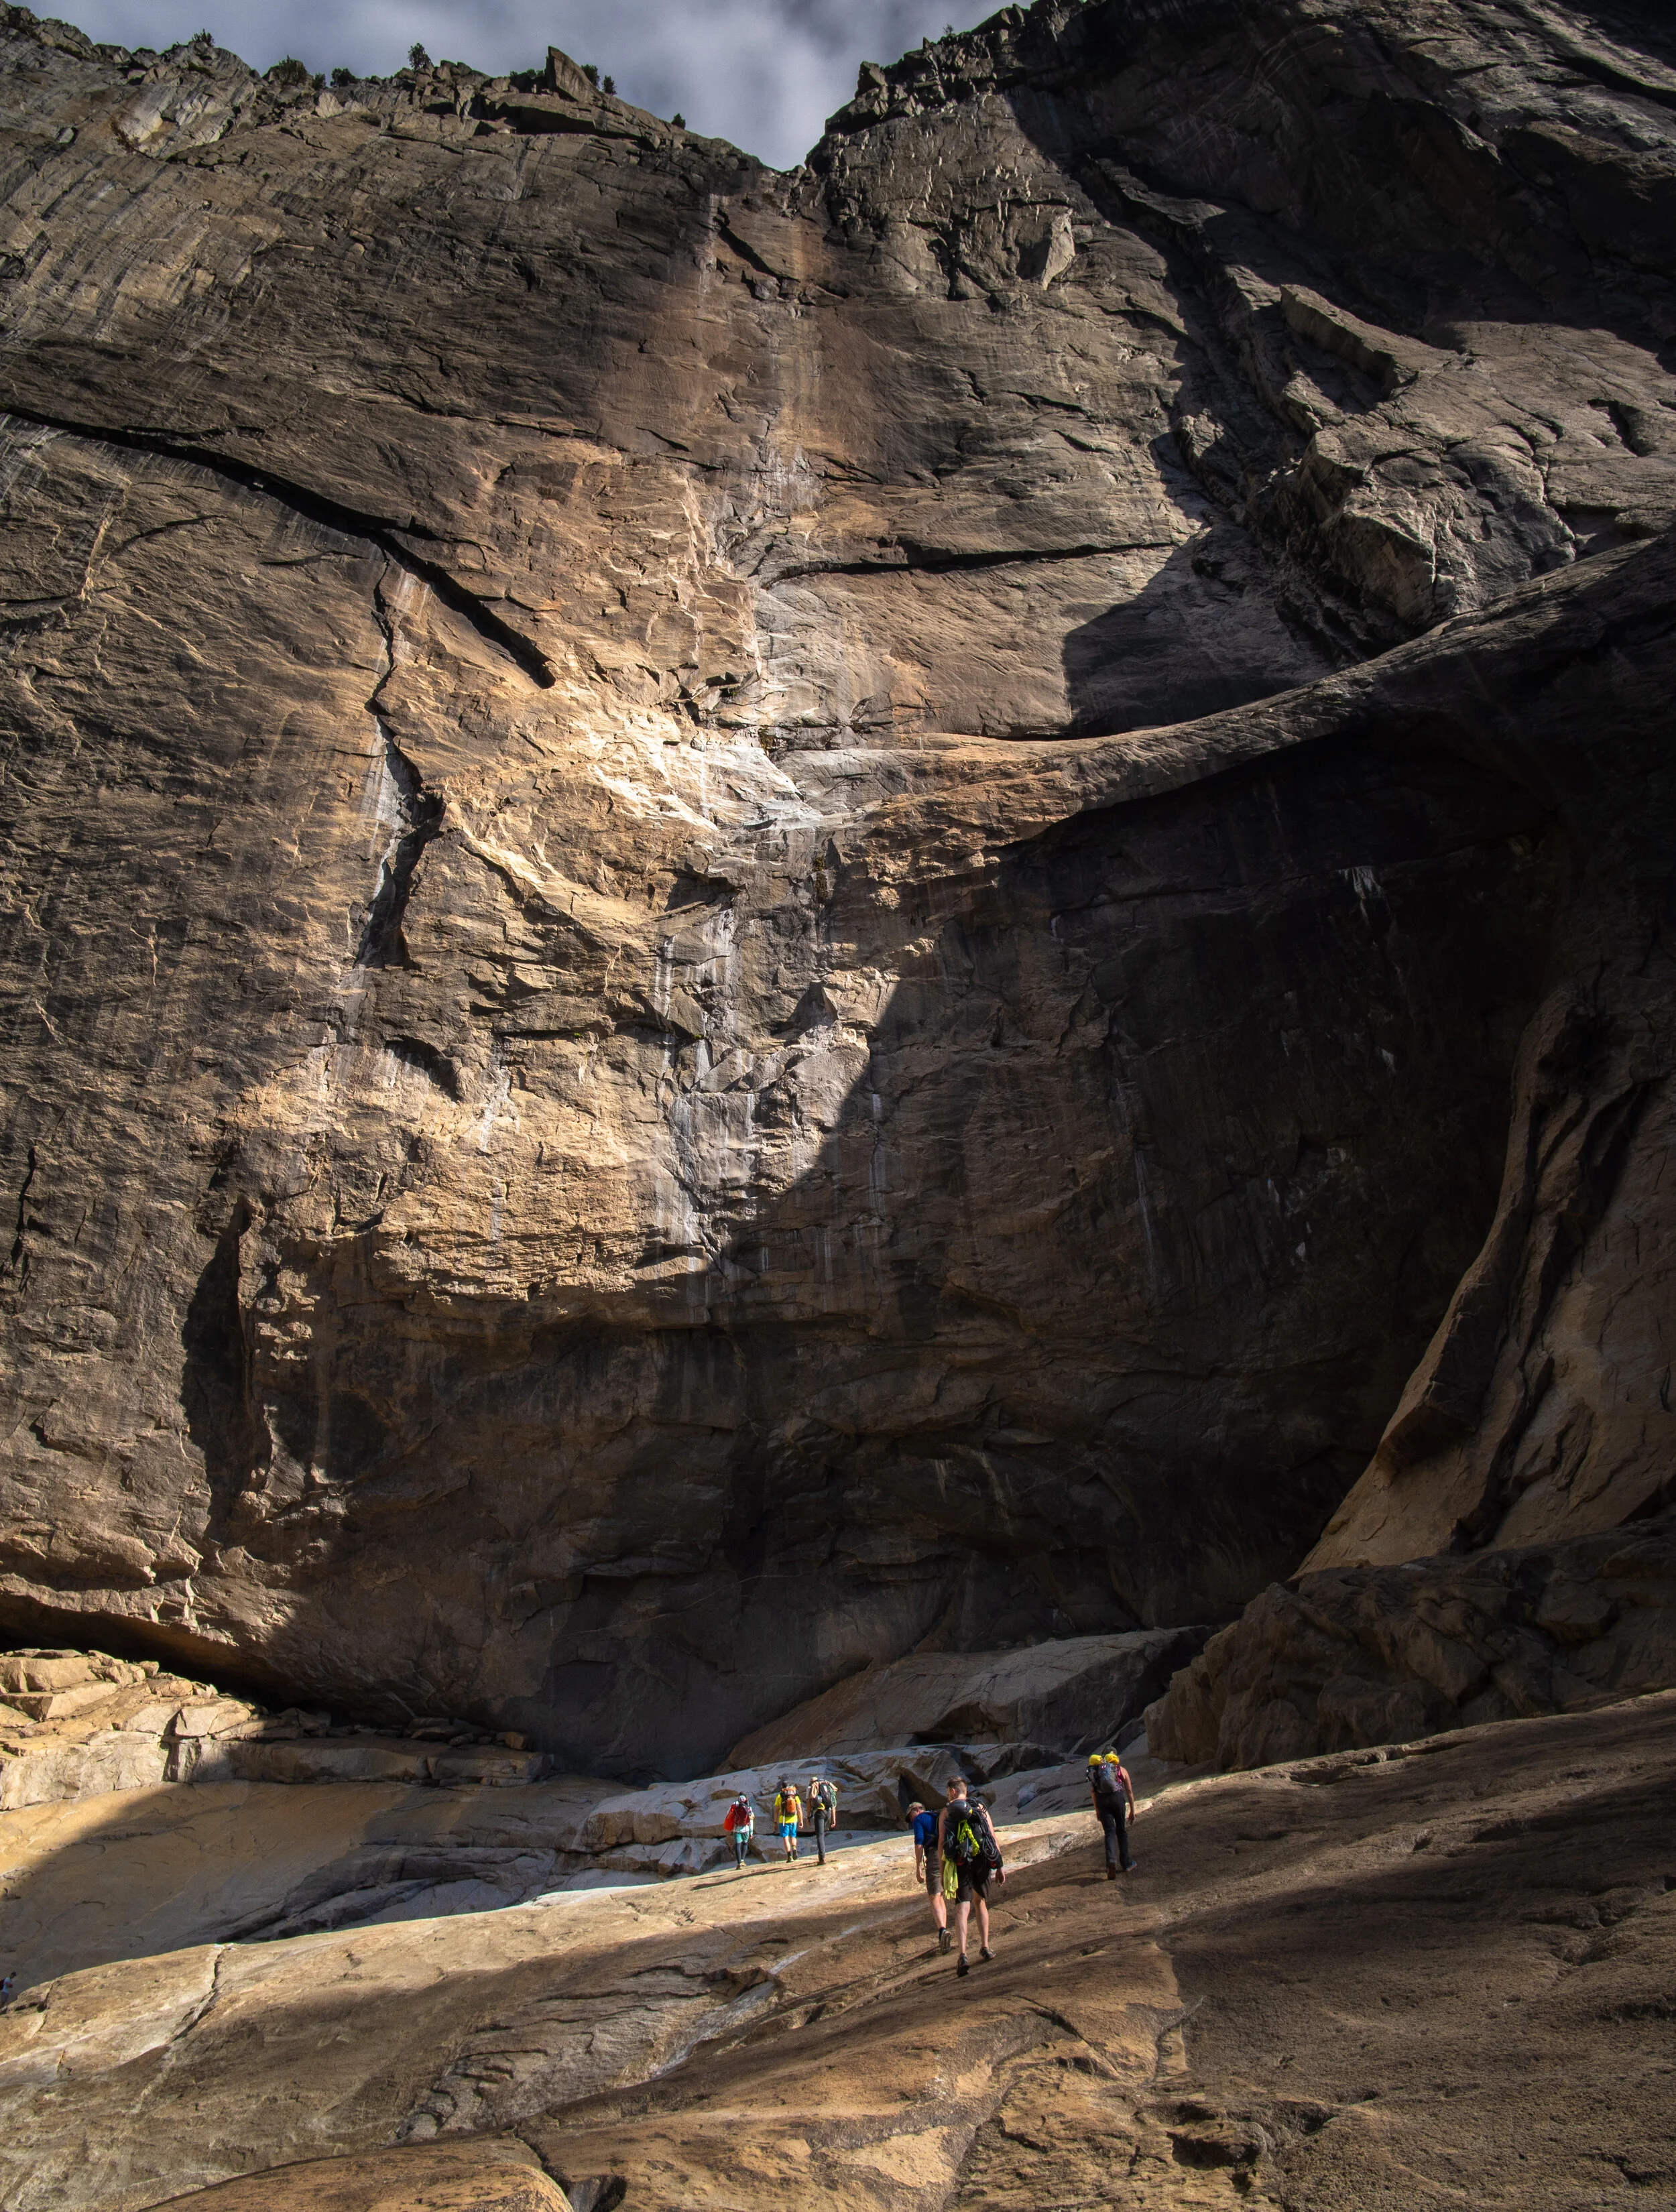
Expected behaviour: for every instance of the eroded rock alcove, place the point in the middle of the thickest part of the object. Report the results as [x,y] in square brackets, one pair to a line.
[755,919]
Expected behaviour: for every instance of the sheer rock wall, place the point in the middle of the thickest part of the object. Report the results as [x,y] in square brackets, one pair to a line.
[735,930]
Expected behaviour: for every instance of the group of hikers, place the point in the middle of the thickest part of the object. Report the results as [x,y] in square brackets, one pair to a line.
[955,1853]
[790,1814]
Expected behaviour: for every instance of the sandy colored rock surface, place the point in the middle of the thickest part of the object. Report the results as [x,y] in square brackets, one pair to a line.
[722,883]
[496,2176]
[151,1870]
[1055,1698]
[1442,1969]
[143,1871]
[77,1724]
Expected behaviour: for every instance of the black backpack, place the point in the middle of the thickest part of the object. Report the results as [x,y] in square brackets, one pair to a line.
[966,1835]
[1109,1788]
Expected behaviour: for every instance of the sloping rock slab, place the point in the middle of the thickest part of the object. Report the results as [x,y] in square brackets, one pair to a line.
[1066,1696]
[497,2176]
[1380,1655]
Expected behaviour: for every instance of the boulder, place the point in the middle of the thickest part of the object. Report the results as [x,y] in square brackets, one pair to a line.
[1348,1658]
[79,1723]
[1064,1695]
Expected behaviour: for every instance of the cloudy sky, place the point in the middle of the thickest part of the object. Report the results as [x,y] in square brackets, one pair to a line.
[764,73]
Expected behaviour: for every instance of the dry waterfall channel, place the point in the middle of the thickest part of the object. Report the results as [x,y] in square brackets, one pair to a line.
[868,972]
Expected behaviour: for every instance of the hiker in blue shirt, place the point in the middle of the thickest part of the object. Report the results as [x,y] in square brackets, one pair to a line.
[928,1868]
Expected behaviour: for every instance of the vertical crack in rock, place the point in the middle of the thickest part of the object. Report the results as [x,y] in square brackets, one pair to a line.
[216,1393]
[382,943]
[17,1262]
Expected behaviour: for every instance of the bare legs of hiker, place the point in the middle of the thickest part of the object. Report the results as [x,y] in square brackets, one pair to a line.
[971,1893]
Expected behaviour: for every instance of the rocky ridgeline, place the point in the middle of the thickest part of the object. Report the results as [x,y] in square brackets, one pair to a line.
[189,95]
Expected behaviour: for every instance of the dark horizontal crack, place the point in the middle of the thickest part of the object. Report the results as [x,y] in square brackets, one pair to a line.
[315,506]
[940,564]
[748,254]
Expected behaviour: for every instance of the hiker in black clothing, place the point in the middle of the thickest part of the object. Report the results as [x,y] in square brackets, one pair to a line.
[966,1839]
[1114,1796]
[822,1813]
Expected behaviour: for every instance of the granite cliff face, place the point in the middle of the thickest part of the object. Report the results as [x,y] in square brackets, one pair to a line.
[751,918]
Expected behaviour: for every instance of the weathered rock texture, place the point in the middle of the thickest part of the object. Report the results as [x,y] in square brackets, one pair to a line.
[499,2175]
[80,1724]
[1046,1700]
[647,1055]
[1353,1656]
[1441,1976]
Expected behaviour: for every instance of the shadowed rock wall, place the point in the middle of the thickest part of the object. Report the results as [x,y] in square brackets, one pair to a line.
[1350,1658]
[645,1056]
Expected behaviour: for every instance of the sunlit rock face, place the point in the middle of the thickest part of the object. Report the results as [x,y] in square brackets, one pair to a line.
[737,929]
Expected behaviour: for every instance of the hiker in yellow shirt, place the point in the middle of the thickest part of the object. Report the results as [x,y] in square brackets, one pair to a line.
[788,1817]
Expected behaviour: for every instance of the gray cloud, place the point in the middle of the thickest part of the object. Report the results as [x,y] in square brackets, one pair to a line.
[764,73]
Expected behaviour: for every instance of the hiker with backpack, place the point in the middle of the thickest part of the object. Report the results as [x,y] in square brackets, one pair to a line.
[741,1826]
[823,1812]
[1114,1796]
[928,1868]
[971,1856]
[788,1817]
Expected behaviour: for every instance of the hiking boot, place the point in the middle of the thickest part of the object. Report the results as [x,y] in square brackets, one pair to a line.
[942,1939]
[984,1952]
[1133,1867]
[963,1968]
[1111,1871]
